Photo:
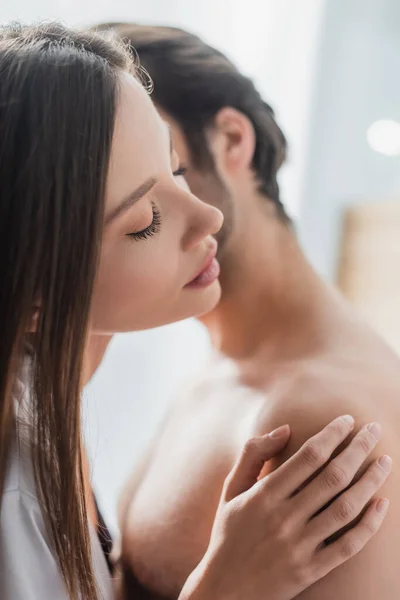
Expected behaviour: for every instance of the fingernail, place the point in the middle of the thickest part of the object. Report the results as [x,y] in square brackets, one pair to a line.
[382,506]
[280,432]
[348,419]
[375,430]
[385,462]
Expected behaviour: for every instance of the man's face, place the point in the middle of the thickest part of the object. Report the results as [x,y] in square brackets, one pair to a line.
[204,183]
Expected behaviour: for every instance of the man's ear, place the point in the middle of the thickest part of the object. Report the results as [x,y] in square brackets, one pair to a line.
[232,140]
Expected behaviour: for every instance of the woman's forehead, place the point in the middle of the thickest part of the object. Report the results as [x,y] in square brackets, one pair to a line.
[140,148]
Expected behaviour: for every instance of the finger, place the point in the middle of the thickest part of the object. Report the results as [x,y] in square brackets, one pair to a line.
[290,476]
[338,474]
[353,541]
[350,505]
[254,455]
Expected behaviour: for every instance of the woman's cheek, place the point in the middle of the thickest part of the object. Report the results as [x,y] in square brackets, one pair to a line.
[147,275]
[141,279]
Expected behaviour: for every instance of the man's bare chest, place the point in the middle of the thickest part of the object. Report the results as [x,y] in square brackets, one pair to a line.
[173,512]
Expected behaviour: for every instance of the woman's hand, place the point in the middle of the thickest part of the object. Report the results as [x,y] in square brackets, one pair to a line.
[268,536]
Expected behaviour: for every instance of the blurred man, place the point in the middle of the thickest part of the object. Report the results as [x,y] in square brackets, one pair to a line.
[288,349]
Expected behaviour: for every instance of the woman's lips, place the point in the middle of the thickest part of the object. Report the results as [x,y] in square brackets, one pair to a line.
[208,274]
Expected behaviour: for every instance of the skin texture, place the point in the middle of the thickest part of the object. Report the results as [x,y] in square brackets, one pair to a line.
[144,280]
[157,265]
[288,349]
[129,266]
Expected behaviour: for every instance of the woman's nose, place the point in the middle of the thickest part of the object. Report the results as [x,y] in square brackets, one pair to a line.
[205,220]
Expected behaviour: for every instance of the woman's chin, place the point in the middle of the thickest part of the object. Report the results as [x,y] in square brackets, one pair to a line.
[195,302]
[208,299]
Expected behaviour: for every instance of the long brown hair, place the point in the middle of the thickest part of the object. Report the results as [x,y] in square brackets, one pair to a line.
[58,98]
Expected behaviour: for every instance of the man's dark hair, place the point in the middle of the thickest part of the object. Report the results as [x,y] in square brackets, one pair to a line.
[192,82]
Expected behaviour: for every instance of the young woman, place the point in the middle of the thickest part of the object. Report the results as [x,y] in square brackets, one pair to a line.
[98,234]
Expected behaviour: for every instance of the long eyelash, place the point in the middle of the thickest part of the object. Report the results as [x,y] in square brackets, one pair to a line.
[180,172]
[151,230]
[154,227]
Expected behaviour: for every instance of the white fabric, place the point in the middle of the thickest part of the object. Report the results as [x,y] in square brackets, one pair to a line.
[28,567]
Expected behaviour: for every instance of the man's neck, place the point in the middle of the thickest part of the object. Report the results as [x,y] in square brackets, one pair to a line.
[274,308]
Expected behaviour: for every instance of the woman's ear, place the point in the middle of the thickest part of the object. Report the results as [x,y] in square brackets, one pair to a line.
[232,140]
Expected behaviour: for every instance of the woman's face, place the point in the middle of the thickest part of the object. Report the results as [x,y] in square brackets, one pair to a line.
[157,235]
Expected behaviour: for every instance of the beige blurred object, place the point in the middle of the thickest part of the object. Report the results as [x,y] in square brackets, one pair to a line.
[369,265]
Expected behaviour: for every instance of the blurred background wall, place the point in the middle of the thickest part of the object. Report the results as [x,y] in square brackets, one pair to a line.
[329,68]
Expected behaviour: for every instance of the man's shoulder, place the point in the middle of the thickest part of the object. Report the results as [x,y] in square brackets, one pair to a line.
[309,395]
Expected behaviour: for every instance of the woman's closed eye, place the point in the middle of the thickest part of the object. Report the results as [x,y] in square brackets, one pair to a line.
[155,225]
[151,229]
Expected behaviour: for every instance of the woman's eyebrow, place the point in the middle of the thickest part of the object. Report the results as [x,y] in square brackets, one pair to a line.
[130,200]
[141,191]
